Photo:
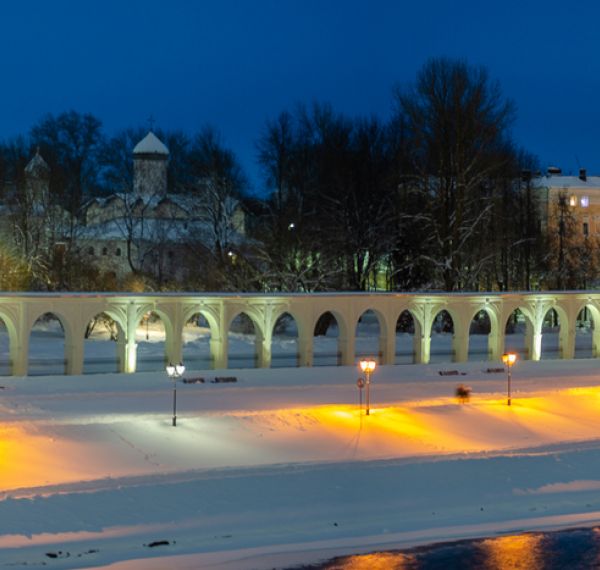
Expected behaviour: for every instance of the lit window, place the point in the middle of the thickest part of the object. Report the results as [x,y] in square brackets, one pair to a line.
[573,200]
[585,201]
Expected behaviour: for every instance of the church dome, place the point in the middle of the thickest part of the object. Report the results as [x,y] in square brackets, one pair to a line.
[151,144]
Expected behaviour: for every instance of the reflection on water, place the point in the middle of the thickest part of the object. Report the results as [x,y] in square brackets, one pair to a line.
[577,549]
[376,561]
[521,551]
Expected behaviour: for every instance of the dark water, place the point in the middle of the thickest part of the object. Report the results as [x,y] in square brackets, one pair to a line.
[576,549]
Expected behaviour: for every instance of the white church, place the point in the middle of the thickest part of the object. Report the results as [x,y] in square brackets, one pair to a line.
[151,230]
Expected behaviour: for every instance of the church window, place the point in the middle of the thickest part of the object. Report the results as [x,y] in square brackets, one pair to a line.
[118,252]
[104,251]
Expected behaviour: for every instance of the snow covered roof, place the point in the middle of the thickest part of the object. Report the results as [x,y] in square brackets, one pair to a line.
[187,203]
[591,182]
[151,144]
[149,229]
[37,165]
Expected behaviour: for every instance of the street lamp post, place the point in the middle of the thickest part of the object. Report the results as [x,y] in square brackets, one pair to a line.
[509,359]
[175,371]
[367,366]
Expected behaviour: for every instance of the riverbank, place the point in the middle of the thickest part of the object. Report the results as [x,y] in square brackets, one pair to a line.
[281,468]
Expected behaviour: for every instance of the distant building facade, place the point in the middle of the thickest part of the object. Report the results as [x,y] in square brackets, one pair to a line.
[582,195]
[145,230]
[150,230]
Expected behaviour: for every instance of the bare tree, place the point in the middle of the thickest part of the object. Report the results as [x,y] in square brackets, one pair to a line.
[457,122]
[216,193]
[69,143]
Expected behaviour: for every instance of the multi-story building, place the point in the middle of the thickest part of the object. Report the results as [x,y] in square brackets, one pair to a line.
[580,193]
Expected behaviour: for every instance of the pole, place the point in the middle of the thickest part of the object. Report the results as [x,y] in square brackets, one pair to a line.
[174,401]
[368,385]
[508,386]
[360,384]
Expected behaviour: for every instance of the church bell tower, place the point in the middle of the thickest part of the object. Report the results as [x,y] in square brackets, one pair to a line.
[150,159]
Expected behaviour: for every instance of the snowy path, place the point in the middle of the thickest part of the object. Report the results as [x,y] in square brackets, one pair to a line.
[282,462]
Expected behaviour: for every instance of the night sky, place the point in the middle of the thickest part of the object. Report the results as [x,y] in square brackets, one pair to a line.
[235,64]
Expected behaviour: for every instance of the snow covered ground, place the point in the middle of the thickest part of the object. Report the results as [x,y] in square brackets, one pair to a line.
[281,467]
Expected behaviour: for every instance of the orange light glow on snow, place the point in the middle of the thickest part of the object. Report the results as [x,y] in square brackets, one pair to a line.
[377,561]
[39,453]
[28,459]
[521,551]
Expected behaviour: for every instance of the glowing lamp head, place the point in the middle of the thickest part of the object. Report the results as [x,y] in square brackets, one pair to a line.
[175,370]
[509,358]
[367,365]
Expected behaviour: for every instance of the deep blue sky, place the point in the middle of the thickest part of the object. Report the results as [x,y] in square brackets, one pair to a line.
[236,63]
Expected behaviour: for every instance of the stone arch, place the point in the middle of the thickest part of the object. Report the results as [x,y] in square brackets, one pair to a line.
[66,324]
[366,343]
[330,329]
[518,332]
[153,332]
[339,318]
[587,331]
[554,328]
[100,346]
[443,328]
[50,334]
[285,339]
[8,345]
[483,334]
[255,316]
[114,312]
[196,345]
[207,313]
[408,336]
[211,314]
[242,351]
[165,318]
